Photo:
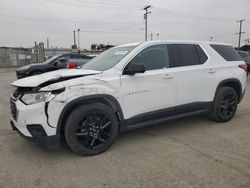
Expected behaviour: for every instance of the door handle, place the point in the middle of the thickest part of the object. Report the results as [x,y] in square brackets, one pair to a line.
[168,76]
[211,71]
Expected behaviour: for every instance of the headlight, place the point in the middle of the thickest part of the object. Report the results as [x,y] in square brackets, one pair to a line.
[32,98]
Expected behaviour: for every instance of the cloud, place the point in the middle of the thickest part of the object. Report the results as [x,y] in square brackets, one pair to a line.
[117,21]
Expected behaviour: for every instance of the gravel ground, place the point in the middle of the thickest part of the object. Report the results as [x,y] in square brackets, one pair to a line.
[190,152]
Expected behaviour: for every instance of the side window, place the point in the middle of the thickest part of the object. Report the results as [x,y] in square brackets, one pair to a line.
[202,56]
[227,52]
[184,55]
[153,57]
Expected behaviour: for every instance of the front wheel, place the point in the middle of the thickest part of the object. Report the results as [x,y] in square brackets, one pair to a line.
[225,104]
[91,129]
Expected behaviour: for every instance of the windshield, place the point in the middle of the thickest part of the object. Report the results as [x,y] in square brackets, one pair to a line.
[108,59]
[51,59]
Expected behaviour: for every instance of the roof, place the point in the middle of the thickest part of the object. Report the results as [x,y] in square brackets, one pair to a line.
[171,42]
[185,42]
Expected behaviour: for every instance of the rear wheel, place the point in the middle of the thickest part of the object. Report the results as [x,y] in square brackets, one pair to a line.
[225,104]
[91,129]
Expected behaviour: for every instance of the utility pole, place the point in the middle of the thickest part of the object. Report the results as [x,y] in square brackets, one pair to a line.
[247,41]
[146,20]
[240,32]
[78,32]
[158,35]
[74,36]
[47,42]
[151,36]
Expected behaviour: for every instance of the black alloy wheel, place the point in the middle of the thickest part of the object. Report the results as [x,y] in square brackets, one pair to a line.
[224,105]
[94,130]
[91,129]
[228,105]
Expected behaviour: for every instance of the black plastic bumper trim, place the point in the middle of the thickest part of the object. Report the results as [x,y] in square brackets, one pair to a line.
[50,142]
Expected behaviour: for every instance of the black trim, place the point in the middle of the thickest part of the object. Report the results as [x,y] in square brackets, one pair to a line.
[46,113]
[154,117]
[61,79]
[99,98]
[228,81]
[36,130]
[50,142]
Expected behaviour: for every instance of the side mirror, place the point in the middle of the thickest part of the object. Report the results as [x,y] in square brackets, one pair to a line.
[134,68]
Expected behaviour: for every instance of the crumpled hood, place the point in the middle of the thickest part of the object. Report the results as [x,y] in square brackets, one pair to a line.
[52,77]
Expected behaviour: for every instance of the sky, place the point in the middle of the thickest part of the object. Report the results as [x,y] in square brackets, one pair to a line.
[22,22]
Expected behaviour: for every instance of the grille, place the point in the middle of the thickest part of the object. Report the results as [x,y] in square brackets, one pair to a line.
[13,110]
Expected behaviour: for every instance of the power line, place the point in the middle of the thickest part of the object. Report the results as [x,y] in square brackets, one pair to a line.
[62,30]
[93,4]
[60,20]
[191,16]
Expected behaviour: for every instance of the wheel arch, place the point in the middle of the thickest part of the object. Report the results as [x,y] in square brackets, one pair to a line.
[99,98]
[233,83]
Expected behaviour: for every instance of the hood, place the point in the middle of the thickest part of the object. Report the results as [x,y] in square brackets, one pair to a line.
[25,67]
[52,77]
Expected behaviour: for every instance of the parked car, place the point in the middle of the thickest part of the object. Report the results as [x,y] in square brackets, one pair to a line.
[246,57]
[128,87]
[77,63]
[53,63]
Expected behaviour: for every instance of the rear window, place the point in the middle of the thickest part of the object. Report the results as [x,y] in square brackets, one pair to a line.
[227,52]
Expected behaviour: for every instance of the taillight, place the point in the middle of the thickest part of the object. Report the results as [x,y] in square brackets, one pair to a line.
[71,65]
[243,66]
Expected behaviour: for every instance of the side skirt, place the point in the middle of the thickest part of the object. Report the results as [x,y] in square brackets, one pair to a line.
[151,118]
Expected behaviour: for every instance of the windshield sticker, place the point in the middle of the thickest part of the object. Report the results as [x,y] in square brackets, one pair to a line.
[120,52]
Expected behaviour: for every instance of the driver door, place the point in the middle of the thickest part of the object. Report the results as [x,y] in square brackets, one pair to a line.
[155,89]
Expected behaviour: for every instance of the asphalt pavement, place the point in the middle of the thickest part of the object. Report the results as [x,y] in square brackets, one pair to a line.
[191,152]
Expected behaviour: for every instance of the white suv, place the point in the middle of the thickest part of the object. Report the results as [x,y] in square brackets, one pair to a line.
[127,87]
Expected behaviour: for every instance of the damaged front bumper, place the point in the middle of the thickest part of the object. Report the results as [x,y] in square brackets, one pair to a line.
[30,122]
[50,142]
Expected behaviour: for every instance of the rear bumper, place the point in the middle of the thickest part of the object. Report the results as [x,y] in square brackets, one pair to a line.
[50,142]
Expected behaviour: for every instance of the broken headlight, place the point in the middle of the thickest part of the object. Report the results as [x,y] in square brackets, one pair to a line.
[32,98]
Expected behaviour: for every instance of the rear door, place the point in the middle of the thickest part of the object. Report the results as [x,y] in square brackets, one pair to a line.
[195,83]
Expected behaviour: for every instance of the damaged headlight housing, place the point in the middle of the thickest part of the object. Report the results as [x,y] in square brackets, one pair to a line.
[33,98]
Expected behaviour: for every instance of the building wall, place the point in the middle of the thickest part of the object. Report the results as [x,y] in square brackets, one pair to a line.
[14,57]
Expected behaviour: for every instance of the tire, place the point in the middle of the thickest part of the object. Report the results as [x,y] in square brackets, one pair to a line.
[225,104]
[91,129]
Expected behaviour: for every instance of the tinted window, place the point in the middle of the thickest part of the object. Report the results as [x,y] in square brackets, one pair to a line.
[79,56]
[153,57]
[184,55]
[227,52]
[243,54]
[202,56]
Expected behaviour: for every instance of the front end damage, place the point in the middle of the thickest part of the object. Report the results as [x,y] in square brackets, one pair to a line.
[30,120]
[36,107]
